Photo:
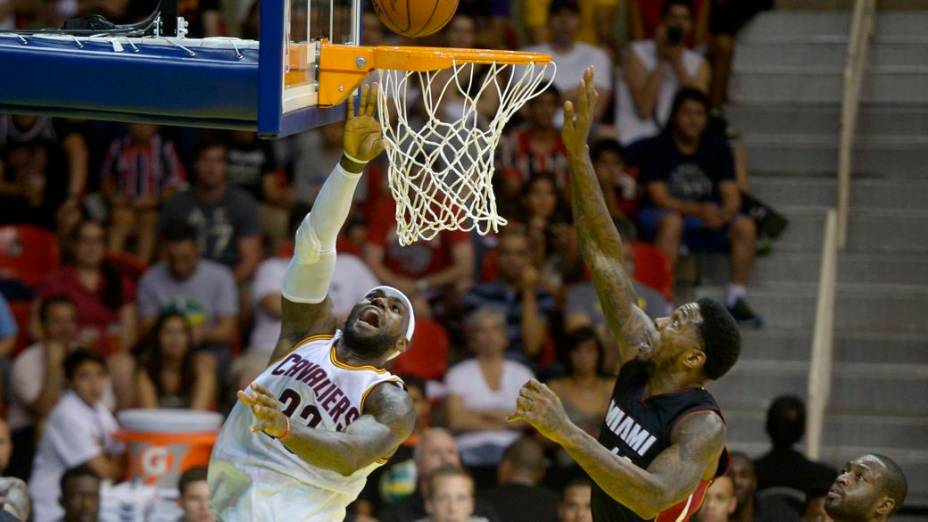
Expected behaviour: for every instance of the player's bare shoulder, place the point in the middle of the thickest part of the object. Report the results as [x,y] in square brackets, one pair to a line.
[392,407]
[701,437]
[301,320]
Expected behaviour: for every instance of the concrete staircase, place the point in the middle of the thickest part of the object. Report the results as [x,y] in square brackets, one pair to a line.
[786,94]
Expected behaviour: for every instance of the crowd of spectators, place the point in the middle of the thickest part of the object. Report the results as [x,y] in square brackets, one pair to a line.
[143,264]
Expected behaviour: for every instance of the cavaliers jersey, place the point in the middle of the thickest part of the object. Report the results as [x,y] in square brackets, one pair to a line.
[639,429]
[253,476]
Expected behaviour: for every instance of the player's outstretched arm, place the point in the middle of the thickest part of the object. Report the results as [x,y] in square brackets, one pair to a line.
[697,442]
[387,420]
[305,309]
[600,242]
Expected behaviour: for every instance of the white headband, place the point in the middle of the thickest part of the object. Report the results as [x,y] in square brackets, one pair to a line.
[412,315]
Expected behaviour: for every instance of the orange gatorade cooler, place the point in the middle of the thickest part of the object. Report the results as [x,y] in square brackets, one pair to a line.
[163,443]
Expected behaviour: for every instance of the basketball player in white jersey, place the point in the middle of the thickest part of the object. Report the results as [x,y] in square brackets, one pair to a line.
[302,440]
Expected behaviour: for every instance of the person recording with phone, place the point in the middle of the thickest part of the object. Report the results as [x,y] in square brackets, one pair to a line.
[654,70]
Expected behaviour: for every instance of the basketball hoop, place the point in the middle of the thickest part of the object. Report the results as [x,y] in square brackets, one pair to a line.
[440,169]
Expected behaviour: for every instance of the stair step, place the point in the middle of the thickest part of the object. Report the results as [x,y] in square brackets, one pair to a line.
[857,389]
[792,344]
[901,26]
[895,156]
[824,85]
[851,430]
[873,120]
[827,53]
[804,267]
[792,26]
[873,194]
[859,308]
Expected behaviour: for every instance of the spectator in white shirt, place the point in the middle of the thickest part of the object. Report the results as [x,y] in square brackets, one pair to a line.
[79,431]
[482,391]
[573,57]
[351,281]
[38,379]
[652,73]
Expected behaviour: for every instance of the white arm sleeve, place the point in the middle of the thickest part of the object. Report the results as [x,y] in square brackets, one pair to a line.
[310,270]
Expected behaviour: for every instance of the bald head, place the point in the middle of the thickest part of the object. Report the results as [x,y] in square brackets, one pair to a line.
[524,460]
[436,448]
[893,482]
[871,488]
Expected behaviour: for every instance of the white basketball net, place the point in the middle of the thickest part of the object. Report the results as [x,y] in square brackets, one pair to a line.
[441,169]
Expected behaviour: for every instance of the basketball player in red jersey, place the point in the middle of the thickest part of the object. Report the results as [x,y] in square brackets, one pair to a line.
[302,440]
[663,439]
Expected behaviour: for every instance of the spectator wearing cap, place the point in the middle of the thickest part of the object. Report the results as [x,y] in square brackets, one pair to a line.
[573,57]
[79,431]
[692,197]
[519,497]
[653,71]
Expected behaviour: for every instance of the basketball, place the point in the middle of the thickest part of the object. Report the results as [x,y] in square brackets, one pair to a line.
[415,18]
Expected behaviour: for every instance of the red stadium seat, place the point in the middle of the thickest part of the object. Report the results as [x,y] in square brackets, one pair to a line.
[427,357]
[27,254]
[652,269]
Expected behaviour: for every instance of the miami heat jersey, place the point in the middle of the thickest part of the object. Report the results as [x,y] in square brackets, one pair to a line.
[253,476]
[639,429]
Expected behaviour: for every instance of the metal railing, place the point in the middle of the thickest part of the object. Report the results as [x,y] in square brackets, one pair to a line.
[836,224]
[862,23]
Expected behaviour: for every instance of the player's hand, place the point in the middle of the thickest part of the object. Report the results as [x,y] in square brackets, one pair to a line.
[362,137]
[577,121]
[542,409]
[266,410]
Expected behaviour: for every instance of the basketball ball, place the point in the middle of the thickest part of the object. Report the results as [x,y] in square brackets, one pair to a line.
[415,18]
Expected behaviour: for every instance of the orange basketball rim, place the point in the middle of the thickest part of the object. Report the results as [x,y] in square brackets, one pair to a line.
[342,68]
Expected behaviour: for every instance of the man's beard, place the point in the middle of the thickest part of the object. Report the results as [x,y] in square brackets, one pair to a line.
[370,347]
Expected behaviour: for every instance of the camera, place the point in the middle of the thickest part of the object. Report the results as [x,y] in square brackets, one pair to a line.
[674,34]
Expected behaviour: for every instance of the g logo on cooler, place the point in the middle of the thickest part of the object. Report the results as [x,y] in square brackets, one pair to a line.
[155,461]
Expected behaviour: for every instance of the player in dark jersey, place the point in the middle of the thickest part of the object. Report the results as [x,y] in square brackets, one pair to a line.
[663,439]
[869,489]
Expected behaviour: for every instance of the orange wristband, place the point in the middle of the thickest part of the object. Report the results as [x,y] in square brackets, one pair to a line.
[286,433]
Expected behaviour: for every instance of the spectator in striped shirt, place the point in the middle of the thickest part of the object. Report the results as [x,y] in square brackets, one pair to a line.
[536,147]
[141,171]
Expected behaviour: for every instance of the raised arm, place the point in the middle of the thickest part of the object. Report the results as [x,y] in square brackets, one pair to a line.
[306,309]
[697,441]
[600,243]
[387,420]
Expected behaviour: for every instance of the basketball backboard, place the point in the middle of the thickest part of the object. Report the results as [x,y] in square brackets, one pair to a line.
[289,84]
[138,73]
